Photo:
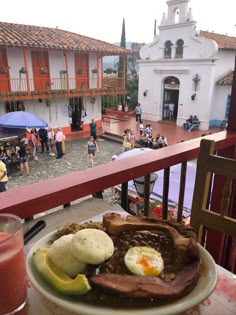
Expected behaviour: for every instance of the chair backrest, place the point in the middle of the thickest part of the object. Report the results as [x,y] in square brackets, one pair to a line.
[203,216]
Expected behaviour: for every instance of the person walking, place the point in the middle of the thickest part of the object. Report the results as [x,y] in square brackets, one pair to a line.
[171,110]
[141,128]
[43,137]
[132,139]
[138,112]
[93,129]
[92,147]
[58,141]
[63,145]
[3,176]
[51,141]
[126,140]
[33,144]
[22,157]
[5,157]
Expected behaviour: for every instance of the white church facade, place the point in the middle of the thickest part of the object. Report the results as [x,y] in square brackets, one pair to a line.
[187,67]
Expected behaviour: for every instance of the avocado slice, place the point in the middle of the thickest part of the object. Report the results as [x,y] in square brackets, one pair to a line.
[56,278]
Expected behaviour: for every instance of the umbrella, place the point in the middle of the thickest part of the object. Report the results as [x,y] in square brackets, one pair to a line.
[133,152]
[139,182]
[21,120]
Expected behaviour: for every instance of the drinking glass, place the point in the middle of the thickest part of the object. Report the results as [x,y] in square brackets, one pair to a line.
[12,265]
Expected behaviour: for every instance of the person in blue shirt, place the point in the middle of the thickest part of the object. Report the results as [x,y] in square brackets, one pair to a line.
[93,129]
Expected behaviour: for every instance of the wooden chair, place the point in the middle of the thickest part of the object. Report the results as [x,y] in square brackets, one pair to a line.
[202,216]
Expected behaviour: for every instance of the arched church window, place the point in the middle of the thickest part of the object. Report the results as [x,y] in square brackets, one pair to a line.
[176,15]
[167,52]
[179,48]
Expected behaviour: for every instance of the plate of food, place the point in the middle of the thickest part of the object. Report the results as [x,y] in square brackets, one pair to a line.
[133,265]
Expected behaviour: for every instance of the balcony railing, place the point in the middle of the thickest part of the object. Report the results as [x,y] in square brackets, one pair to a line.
[59,87]
[55,192]
[59,191]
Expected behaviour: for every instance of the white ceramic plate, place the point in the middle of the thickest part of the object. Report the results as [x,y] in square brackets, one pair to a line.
[204,288]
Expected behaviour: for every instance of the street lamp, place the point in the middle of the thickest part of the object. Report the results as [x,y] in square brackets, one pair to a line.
[144,186]
[139,184]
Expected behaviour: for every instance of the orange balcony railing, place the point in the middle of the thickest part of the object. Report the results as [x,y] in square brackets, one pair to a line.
[59,87]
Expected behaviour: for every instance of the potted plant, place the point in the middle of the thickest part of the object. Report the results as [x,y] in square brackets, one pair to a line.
[3,69]
[23,70]
[43,70]
[80,71]
[63,71]
[109,70]
[95,70]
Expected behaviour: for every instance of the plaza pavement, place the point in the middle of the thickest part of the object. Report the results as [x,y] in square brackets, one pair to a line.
[75,159]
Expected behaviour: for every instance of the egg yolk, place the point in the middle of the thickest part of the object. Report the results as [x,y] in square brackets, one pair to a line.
[147,266]
[144,261]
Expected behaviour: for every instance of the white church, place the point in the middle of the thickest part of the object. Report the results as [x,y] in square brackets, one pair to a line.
[192,69]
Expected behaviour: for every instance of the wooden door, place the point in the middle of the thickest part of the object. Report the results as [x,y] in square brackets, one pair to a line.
[40,66]
[4,72]
[81,71]
[76,110]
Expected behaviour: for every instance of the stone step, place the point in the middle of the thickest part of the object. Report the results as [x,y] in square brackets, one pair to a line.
[111,137]
[117,138]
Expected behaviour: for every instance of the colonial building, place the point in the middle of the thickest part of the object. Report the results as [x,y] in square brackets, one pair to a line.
[55,74]
[186,67]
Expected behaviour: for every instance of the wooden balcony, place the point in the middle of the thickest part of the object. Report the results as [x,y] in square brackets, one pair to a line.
[33,88]
[62,190]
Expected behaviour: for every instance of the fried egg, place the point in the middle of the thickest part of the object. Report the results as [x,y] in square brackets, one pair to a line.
[144,261]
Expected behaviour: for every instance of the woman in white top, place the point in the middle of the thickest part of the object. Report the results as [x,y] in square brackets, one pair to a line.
[51,141]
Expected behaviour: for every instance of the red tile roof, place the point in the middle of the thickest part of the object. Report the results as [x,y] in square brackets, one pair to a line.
[226,79]
[223,41]
[19,35]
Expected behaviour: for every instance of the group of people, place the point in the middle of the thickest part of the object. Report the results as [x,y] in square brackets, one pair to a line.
[122,107]
[30,143]
[27,146]
[191,123]
[50,142]
[147,140]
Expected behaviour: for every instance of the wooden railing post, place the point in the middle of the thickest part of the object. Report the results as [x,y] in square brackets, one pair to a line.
[146,194]
[165,193]
[124,196]
[181,191]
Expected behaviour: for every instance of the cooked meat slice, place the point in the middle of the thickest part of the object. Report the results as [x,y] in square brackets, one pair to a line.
[148,287]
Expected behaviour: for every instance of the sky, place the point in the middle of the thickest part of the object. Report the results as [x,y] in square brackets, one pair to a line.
[102,19]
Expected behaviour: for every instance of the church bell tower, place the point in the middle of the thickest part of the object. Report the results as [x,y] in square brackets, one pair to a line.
[178,12]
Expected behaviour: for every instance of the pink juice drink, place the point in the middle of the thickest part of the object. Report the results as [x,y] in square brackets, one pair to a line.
[12,266]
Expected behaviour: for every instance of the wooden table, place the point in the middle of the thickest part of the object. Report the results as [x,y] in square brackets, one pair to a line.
[221,302]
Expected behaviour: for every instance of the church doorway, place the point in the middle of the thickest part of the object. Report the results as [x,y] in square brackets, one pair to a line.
[170,99]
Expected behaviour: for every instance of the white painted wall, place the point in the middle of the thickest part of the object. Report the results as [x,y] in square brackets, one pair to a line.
[57,113]
[201,56]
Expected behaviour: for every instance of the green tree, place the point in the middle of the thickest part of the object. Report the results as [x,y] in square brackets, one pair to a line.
[132,75]
[122,58]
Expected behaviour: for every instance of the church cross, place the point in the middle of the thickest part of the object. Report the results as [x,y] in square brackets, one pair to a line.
[196,81]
